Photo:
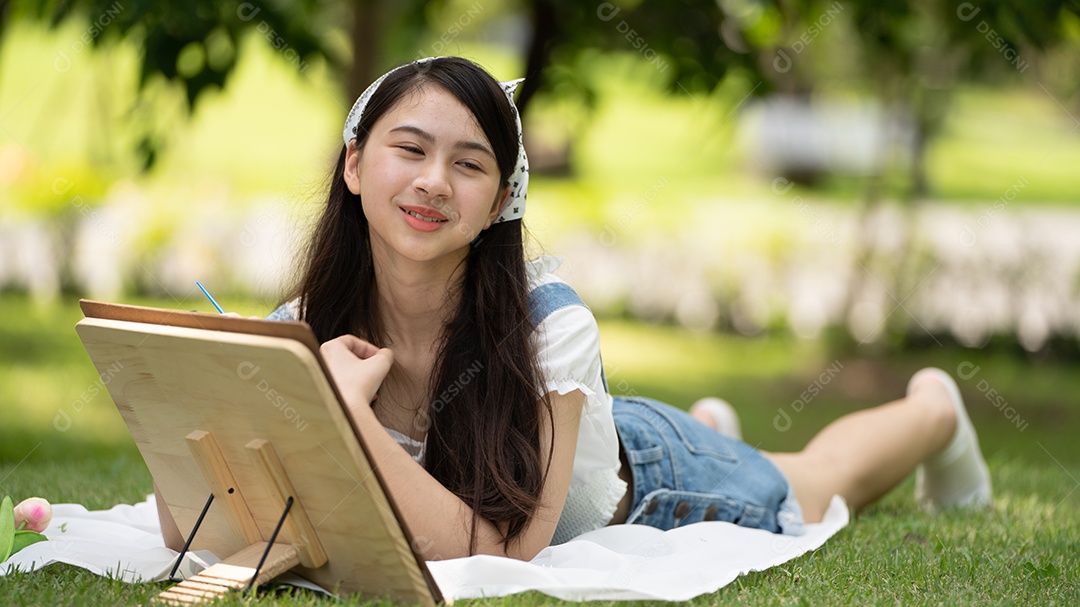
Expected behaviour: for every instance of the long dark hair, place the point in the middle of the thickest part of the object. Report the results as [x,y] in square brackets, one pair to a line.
[483,442]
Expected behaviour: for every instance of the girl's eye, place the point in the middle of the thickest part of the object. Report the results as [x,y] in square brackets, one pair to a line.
[411,149]
[471,166]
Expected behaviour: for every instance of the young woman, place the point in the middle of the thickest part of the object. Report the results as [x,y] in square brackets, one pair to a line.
[486,405]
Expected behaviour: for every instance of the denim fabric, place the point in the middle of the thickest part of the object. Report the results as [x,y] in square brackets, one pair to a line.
[549,297]
[281,313]
[685,472]
[552,296]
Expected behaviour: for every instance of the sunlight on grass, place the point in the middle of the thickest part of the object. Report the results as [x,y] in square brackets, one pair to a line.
[52,384]
[992,139]
[1026,549]
[79,401]
[647,352]
[1027,546]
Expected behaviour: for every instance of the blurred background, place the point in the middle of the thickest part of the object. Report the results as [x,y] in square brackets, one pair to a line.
[789,204]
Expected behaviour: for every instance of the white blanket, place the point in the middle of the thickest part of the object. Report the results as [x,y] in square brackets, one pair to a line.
[617,562]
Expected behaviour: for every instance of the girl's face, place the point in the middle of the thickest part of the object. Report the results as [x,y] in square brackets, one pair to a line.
[427,178]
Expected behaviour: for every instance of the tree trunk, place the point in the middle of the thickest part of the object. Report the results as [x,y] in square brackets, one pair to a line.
[545,29]
[919,183]
[3,15]
[366,37]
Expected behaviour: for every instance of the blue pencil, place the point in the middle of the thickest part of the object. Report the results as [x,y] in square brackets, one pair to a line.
[208,296]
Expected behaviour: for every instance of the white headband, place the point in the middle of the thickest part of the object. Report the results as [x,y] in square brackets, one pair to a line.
[519,179]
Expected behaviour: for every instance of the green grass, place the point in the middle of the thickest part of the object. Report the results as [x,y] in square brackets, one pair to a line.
[1025,550]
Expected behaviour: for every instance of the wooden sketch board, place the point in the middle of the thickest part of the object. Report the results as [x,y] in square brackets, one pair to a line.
[173,373]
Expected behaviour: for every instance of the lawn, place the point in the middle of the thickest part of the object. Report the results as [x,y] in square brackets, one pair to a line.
[61,438]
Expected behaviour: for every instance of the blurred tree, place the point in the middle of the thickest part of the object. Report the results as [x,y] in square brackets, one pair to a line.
[194,42]
[683,39]
[909,55]
[912,56]
[916,52]
[912,53]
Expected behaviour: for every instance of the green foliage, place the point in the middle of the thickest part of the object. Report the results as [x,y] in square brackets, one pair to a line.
[7,528]
[24,538]
[195,43]
[13,540]
[36,190]
[904,54]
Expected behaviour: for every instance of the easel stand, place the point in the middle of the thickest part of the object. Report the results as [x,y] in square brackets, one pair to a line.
[262,560]
[243,411]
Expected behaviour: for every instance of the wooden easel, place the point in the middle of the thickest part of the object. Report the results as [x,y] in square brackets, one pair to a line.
[251,449]
[261,560]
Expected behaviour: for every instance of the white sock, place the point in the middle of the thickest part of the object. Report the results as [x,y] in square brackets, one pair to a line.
[957,476]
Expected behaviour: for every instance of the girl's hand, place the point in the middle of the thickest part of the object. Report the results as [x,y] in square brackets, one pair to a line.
[358,368]
[235,315]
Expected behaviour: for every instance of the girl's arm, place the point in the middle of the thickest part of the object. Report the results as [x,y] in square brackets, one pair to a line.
[439,520]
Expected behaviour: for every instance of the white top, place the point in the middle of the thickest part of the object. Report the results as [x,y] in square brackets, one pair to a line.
[568,348]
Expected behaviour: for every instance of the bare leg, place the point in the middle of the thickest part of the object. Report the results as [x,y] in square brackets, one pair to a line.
[863,455]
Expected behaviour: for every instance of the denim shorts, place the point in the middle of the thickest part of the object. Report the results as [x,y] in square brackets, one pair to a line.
[685,472]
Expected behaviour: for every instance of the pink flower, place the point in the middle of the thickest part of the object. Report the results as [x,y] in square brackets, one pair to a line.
[36,512]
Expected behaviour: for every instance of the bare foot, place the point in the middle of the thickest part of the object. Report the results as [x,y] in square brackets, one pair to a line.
[704,418]
[717,414]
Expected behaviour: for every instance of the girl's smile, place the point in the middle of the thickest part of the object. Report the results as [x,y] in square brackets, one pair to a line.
[425,219]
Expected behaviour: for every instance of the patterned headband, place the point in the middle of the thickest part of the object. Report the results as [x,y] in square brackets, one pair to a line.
[519,179]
